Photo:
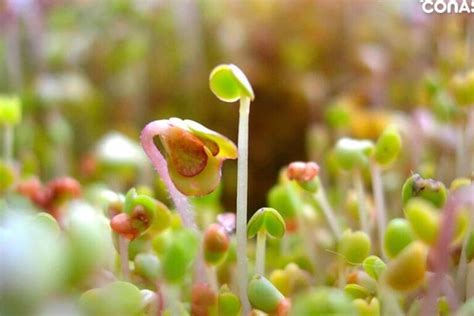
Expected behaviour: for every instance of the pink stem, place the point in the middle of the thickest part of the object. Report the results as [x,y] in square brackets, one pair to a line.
[180,201]
[151,130]
[123,251]
[464,195]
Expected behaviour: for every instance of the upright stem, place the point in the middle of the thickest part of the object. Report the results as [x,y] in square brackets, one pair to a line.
[242,176]
[180,201]
[363,213]
[462,266]
[377,188]
[321,199]
[260,253]
[123,251]
[8,144]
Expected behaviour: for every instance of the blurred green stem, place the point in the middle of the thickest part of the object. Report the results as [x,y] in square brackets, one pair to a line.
[321,199]
[363,214]
[260,253]
[377,189]
[8,144]
[242,178]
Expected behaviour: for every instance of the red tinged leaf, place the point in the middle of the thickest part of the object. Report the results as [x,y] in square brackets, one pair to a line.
[185,151]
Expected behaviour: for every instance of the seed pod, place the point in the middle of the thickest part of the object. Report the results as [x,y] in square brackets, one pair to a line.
[354,246]
[398,235]
[263,295]
[428,189]
[407,271]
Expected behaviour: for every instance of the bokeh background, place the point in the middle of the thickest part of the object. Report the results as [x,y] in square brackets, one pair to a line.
[85,68]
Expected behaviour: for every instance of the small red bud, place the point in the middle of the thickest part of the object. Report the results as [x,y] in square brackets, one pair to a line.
[121,224]
[216,239]
[202,298]
[302,171]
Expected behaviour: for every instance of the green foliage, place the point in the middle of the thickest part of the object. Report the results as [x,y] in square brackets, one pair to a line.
[353,154]
[323,301]
[354,246]
[428,189]
[229,83]
[388,146]
[266,219]
[263,295]
[398,235]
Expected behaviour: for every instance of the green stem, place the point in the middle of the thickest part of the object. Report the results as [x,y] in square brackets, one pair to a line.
[377,189]
[321,199]
[123,251]
[242,176]
[462,266]
[363,214]
[8,144]
[260,253]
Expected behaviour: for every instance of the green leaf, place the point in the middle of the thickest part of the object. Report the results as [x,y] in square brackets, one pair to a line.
[269,220]
[354,246]
[424,219]
[229,83]
[398,235]
[374,266]
[263,295]
[10,110]
[323,301]
[388,146]
[353,154]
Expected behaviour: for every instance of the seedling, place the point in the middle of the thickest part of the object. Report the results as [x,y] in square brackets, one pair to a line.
[354,155]
[194,156]
[230,84]
[265,221]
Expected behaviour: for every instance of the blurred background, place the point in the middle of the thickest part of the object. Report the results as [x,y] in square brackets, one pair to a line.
[87,68]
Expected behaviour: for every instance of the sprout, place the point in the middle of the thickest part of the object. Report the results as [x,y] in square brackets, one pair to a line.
[407,271]
[228,304]
[398,235]
[265,221]
[194,156]
[354,246]
[354,155]
[180,255]
[263,295]
[428,189]
[148,266]
[306,175]
[230,84]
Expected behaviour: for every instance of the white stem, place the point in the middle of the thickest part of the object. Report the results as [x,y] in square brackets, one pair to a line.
[212,277]
[260,253]
[123,251]
[363,213]
[242,176]
[321,199]
[377,188]
[8,144]
[171,299]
